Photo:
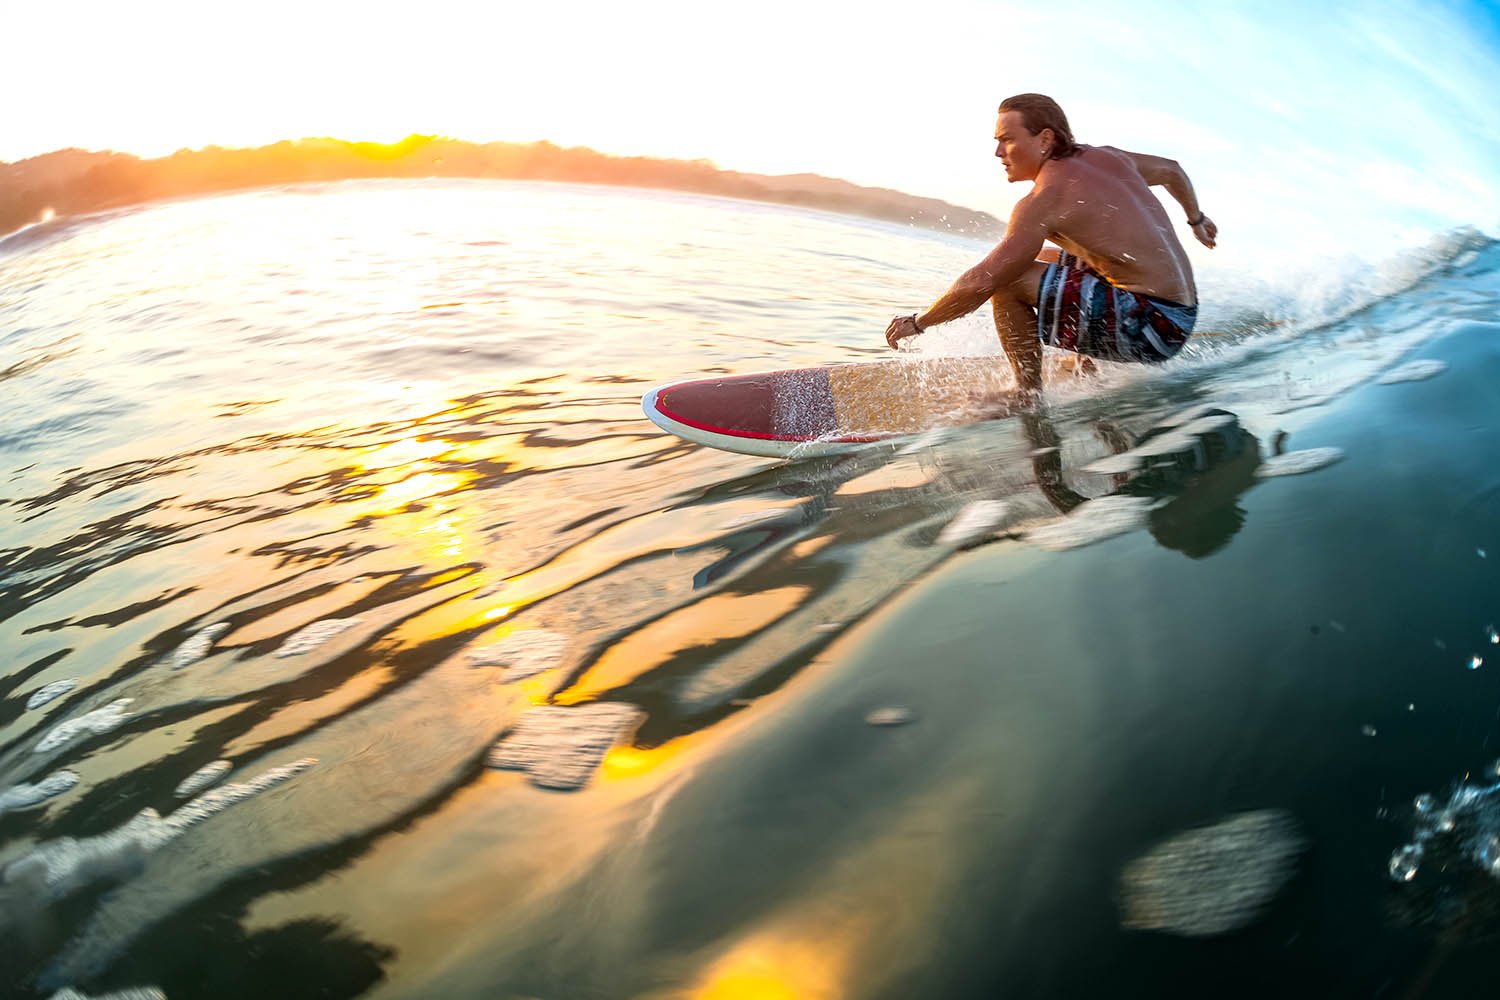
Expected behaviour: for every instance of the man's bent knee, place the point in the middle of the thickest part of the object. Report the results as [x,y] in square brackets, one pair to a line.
[1026,288]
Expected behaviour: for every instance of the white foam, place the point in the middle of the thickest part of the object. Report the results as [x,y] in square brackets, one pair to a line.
[215,801]
[1413,371]
[1211,880]
[197,647]
[134,993]
[25,796]
[522,654]
[561,746]
[1115,465]
[207,775]
[51,692]
[1091,522]
[975,520]
[1170,443]
[1182,434]
[95,723]
[314,635]
[1187,416]
[1294,463]
[1209,424]
[57,867]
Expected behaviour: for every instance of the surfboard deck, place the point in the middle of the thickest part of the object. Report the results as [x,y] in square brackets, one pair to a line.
[804,412]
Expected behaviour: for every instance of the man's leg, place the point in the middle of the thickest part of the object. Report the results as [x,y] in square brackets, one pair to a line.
[1015,320]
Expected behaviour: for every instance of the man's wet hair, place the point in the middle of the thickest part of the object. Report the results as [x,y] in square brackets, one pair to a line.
[1038,111]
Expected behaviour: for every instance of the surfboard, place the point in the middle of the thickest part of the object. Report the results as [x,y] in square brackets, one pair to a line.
[805,412]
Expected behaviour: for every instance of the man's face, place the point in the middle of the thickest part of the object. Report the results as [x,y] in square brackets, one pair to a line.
[1018,149]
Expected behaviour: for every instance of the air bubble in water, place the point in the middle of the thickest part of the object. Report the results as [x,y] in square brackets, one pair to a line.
[1424,804]
[1445,821]
[1405,862]
[1476,661]
[1492,635]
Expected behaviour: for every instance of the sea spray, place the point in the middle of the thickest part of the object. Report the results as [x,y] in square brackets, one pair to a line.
[50,693]
[197,647]
[1214,879]
[1295,463]
[311,637]
[58,867]
[25,796]
[561,746]
[522,654]
[95,723]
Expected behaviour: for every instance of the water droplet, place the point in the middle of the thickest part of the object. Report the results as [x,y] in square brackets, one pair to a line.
[1481,553]
[1492,635]
[1445,821]
[1495,769]
[1489,855]
[1424,804]
[1367,729]
[1411,706]
[1440,644]
[1404,863]
[1476,661]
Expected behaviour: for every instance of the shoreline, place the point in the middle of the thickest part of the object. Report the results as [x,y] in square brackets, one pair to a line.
[73,183]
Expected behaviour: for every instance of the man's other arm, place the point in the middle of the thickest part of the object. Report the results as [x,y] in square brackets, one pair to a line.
[1000,268]
[1159,171]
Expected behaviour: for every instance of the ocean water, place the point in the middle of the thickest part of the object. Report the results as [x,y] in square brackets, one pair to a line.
[362,638]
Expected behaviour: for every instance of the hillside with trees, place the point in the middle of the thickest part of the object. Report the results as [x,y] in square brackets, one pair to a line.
[76,182]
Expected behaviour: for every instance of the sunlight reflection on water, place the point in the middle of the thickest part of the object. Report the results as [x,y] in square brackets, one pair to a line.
[359,473]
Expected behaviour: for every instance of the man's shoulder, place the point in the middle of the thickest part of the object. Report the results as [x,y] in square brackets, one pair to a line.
[1095,164]
[1093,154]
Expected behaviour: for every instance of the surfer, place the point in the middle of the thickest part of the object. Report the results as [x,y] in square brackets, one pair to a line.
[1119,288]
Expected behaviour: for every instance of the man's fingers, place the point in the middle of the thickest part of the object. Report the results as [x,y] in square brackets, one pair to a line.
[893,333]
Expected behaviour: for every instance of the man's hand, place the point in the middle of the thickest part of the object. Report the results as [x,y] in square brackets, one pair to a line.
[1206,231]
[901,327]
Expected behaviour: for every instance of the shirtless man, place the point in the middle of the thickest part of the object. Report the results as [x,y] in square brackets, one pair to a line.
[1121,289]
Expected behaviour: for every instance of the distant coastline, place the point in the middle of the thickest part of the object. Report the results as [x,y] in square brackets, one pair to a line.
[75,181]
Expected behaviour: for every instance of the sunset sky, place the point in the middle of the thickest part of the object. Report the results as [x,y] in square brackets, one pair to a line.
[1348,121]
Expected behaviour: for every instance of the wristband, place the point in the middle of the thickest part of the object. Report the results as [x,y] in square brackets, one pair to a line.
[1195,223]
[915,324]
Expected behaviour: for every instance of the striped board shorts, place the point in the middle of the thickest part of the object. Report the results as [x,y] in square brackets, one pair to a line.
[1079,310]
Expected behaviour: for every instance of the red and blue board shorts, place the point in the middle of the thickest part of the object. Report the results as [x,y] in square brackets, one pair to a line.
[1079,310]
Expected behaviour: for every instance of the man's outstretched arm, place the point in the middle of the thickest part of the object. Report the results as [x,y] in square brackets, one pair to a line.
[1159,171]
[1000,268]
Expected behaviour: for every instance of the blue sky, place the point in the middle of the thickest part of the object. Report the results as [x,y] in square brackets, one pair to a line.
[1361,127]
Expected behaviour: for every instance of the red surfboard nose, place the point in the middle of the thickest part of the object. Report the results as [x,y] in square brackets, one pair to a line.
[790,405]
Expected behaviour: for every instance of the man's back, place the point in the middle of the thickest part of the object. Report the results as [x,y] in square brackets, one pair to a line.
[1106,214]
